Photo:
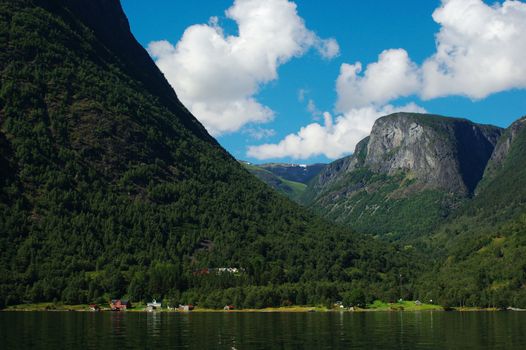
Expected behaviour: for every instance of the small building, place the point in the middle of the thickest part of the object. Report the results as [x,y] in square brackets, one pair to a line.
[120,304]
[201,272]
[94,307]
[229,307]
[186,308]
[418,303]
[154,305]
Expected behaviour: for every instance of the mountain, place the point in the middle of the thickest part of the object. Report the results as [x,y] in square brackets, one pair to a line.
[301,173]
[484,244]
[407,176]
[109,186]
[291,189]
[288,179]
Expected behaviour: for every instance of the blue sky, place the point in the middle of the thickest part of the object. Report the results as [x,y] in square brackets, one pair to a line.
[267,69]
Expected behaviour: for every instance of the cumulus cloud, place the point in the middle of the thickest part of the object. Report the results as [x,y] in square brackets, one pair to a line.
[333,139]
[328,48]
[480,49]
[392,76]
[217,76]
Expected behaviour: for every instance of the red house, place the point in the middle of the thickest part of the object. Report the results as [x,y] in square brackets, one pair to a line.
[120,304]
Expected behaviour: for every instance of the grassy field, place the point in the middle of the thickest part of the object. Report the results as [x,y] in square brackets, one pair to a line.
[273,309]
[47,307]
[377,306]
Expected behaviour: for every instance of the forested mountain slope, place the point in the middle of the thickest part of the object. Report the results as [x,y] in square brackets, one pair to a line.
[110,187]
[484,245]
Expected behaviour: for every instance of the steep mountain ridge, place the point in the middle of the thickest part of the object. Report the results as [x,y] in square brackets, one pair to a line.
[410,164]
[109,24]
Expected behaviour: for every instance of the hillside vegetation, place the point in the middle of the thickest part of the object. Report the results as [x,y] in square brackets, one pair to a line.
[292,189]
[484,245]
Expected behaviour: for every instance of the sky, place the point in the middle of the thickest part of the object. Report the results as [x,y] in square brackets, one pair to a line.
[303,81]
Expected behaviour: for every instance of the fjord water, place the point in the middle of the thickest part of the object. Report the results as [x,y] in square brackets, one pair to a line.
[378,330]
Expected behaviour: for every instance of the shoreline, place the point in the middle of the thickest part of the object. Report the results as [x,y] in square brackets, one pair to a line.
[394,307]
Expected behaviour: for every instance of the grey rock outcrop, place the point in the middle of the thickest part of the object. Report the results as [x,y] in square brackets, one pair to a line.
[439,152]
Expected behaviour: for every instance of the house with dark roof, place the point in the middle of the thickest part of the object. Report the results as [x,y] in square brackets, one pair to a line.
[120,304]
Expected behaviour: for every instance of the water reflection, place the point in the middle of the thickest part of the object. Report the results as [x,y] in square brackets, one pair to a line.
[118,326]
[426,330]
[153,322]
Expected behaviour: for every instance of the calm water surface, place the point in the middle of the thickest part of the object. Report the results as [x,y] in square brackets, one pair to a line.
[425,330]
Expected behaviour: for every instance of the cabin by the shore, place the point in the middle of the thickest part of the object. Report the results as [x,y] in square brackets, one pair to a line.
[154,305]
[120,304]
[186,308]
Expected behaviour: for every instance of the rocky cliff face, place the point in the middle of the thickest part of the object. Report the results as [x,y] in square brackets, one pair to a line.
[407,155]
[344,165]
[439,152]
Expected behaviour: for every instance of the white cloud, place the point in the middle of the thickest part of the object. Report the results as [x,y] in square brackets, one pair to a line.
[393,75]
[333,139]
[328,48]
[301,94]
[217,76]
[258,133]
[313,110]
[480,49]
